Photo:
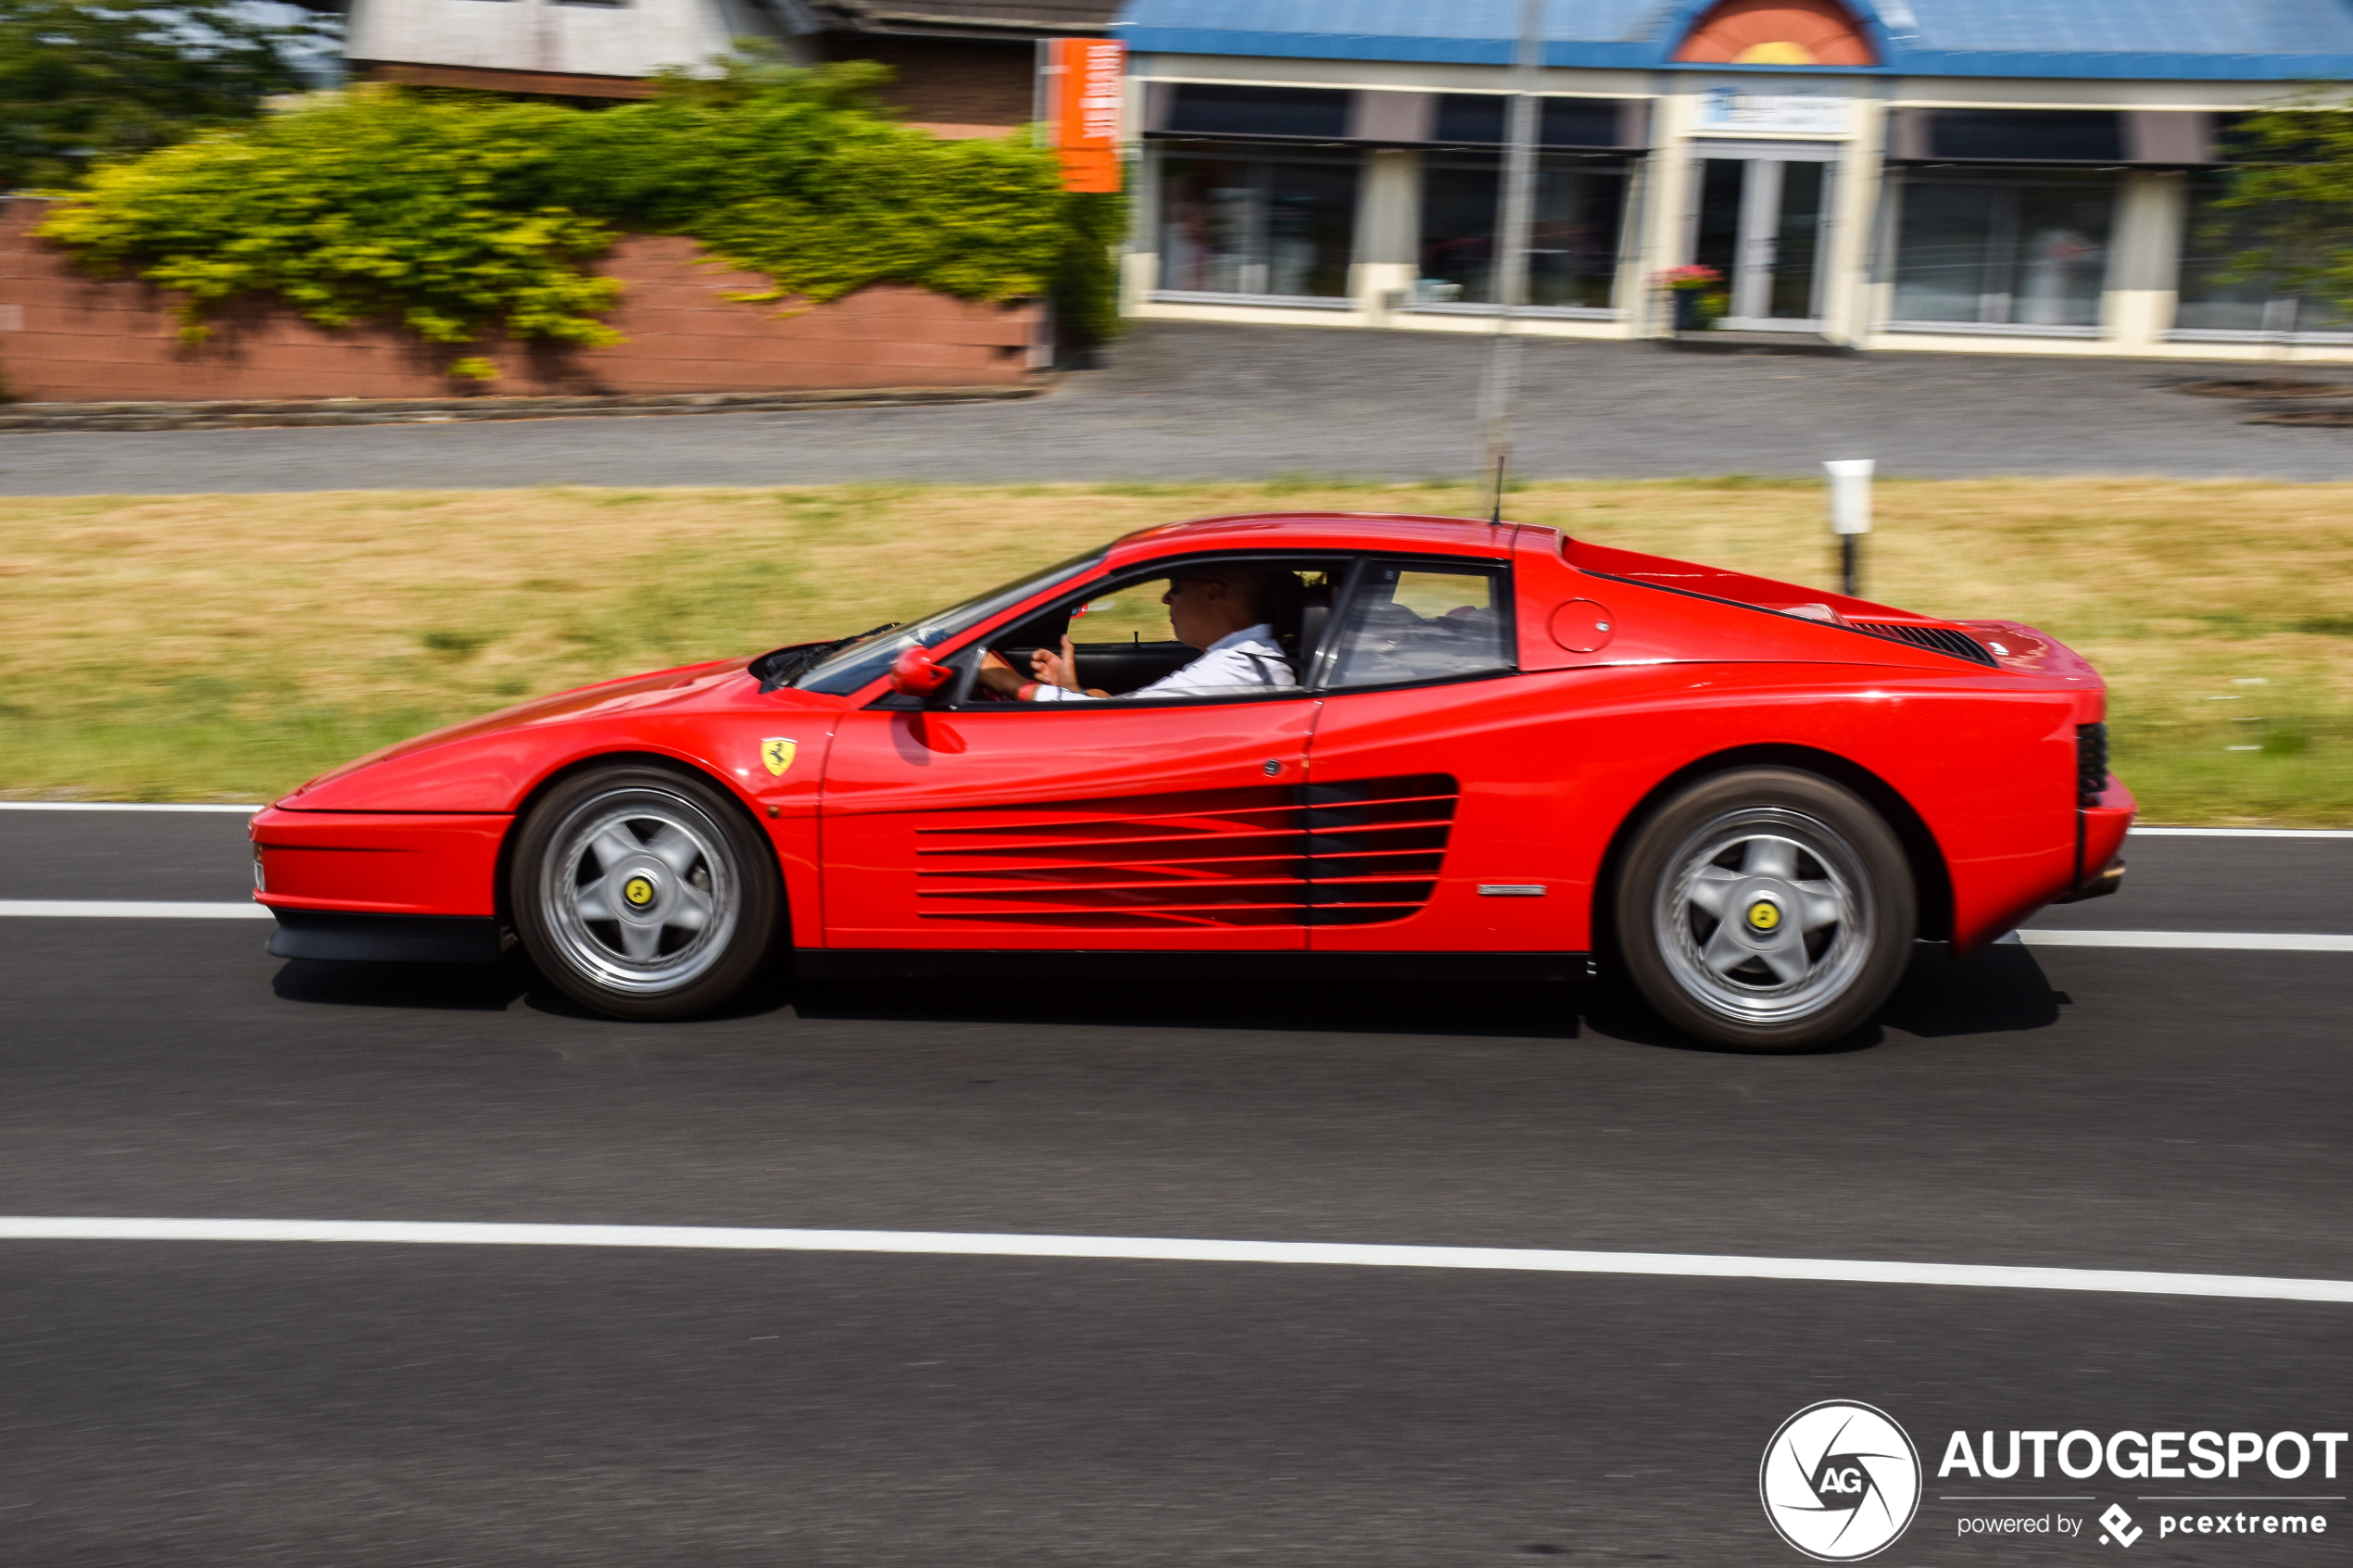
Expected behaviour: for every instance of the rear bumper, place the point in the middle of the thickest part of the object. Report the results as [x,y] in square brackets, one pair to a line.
[366,938]
[2100,885]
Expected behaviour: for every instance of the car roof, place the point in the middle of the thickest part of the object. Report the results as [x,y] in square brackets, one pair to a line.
[1317,531]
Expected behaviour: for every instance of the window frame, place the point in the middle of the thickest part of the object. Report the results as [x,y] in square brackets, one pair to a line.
[1440,157]
[966,657]
[1318,677]
[1334,155]
[2280,311]
[2003,225]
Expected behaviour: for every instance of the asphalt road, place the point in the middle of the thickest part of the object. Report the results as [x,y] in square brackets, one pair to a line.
[1184,401]
[209,1403]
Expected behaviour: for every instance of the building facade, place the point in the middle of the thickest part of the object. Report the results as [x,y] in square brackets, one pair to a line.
[959,67]
[1963,175]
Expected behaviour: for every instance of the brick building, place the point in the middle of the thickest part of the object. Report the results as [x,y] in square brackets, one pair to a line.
[964,68]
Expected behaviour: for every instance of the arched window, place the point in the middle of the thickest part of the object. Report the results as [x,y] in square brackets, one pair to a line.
[1778,33]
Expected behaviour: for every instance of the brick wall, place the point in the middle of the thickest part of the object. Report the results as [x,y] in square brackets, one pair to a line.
[67,337]
[954,86]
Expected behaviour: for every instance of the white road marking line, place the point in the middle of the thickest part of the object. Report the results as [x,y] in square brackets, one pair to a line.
[2243,941]
[131,909]
[115,806]
[964,1244]
[2242,833]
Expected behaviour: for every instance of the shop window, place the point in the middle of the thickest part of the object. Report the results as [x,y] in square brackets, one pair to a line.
[2030,251]
[1573,235]
[1479,119]
[1207,109]
[2214,297]
[1237,221]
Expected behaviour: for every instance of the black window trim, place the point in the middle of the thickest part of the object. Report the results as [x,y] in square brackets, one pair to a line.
[1315,680]
[967,656]
[1344,602]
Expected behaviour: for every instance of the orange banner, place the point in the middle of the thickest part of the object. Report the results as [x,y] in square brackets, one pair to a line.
[1084,78]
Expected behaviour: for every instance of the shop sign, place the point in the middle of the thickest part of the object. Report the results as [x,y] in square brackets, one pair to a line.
[1083,78]
[1783,113]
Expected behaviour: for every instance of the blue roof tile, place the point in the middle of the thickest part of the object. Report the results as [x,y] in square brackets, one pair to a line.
[2237,40]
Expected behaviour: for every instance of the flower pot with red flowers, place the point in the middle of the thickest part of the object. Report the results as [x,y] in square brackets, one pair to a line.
[1698,296]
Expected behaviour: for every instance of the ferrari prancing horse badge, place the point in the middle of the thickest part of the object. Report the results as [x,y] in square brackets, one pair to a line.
[777,754]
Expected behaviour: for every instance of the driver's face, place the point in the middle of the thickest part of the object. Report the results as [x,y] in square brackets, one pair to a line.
[1188,600]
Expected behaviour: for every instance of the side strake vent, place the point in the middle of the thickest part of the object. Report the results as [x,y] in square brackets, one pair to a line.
[1338,854]
[1943,639]
[1374,846]
[2091,763]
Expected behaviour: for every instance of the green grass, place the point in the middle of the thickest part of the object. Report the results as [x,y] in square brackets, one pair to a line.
[227,647]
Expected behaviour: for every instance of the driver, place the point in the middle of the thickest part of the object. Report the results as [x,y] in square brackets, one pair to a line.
[1218,609]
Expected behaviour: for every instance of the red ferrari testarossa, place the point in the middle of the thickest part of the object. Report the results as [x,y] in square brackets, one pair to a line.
[1489,751]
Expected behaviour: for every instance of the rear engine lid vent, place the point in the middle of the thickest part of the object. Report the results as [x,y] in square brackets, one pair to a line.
[1943,639]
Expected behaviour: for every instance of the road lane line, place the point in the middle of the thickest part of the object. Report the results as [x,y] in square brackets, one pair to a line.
[115,806]
[966,1244]
[131,909]
[2240,941]
[2242,833]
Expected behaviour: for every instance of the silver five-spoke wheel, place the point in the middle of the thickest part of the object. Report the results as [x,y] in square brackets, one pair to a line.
[1769,914]
[644,893]
[1766,908]
[640,893]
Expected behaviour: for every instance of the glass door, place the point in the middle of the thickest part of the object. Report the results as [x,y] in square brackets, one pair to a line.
[1761,220]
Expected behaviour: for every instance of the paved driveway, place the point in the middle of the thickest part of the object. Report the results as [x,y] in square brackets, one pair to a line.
[1181,401]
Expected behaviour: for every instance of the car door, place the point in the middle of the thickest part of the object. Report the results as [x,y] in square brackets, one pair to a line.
[1116,824]
[1430,796]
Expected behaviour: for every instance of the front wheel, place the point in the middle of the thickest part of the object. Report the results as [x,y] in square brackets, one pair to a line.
[644,893]
[1766,910]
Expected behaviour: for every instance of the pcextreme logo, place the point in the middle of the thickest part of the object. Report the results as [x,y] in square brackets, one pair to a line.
[1840,1481]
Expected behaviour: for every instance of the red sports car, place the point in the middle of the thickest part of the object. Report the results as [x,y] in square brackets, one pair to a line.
[1445,748]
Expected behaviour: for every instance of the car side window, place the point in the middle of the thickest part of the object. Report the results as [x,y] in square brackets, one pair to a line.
[1421,622]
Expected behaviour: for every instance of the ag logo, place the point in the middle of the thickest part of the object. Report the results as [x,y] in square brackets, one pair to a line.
[777,753]
[1840,1481]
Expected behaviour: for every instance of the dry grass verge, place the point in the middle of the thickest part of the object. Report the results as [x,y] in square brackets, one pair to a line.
[228,646]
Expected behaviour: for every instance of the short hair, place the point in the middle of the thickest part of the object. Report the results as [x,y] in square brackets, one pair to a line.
[1245,583]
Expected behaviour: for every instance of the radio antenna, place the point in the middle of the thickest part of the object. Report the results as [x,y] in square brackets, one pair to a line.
[1514,211]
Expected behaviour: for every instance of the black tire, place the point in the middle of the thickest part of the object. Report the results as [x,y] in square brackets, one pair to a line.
[1767,909]
[644,893]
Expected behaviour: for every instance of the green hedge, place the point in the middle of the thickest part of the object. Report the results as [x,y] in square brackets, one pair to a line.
[463,215]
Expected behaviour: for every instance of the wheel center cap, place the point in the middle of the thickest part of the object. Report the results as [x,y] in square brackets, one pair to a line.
[638,891]
[1764,917]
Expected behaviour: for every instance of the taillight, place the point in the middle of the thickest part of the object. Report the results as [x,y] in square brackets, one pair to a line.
[2091,763]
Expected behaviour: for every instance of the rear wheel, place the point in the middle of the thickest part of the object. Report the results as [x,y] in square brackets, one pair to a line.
[1766,910]
[644,893]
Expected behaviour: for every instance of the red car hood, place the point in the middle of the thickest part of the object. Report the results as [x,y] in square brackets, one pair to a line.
[632,691]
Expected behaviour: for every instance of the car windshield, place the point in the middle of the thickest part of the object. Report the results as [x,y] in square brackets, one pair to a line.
[865,659]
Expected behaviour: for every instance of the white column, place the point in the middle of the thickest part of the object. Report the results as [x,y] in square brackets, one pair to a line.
[1388,229]
[1666,210]
[1140,262]
[1847,300]
[2144,261]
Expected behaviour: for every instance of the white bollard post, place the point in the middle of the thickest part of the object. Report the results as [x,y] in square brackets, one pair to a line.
[1850,512]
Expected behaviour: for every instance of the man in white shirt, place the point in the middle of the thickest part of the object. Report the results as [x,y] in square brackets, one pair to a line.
[1215,610]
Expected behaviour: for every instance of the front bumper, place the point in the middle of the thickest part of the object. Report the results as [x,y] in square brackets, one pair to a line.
[340,936]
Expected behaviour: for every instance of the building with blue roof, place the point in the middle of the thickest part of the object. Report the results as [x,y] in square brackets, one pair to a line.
[2010,175]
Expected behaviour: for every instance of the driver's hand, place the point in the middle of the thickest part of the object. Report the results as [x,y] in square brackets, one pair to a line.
[1057,669]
